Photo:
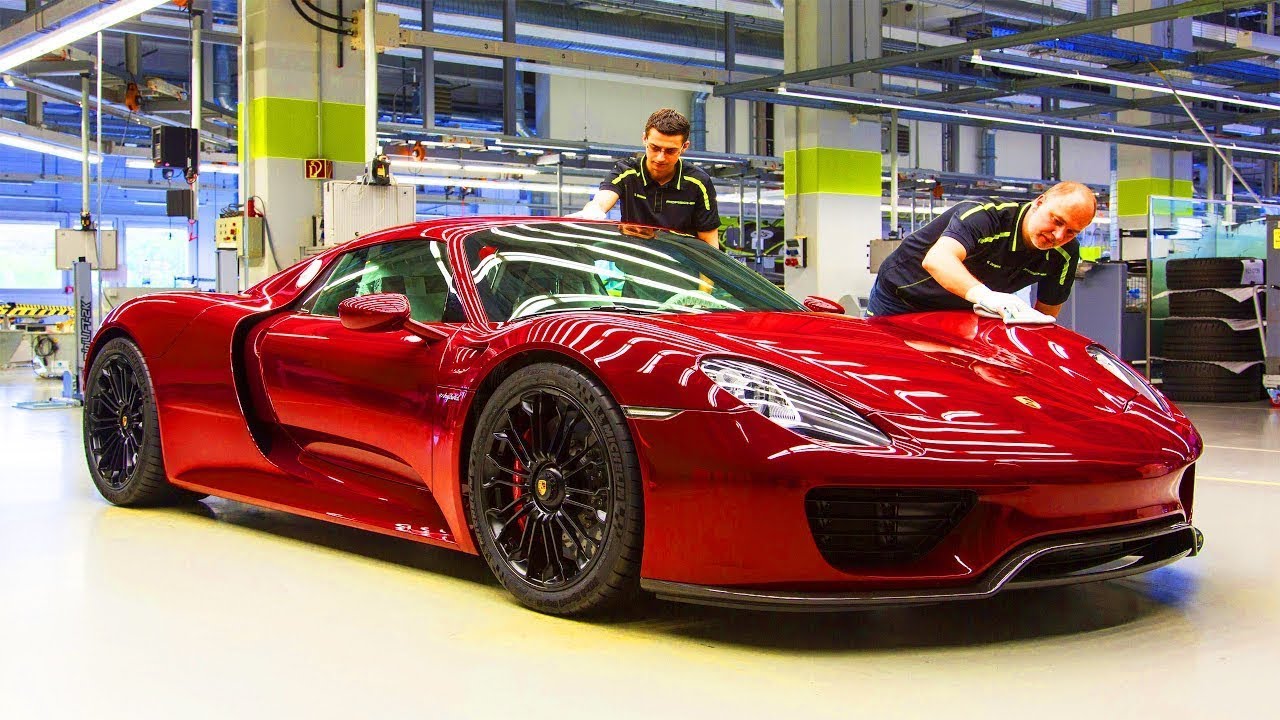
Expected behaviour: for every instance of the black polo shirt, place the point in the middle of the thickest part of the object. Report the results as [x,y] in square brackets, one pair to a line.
[991,233]
[686,203]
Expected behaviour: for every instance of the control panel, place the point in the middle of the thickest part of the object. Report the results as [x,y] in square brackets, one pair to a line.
[231,233]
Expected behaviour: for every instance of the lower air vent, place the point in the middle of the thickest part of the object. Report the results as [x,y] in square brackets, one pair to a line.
[860,527]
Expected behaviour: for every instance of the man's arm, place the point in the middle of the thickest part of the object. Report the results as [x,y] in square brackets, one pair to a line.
[1051,310]
[945,262]
[599,206]
[710,237]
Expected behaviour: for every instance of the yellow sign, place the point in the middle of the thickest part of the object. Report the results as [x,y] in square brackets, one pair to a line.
[1275,238]
[319,169]
[33,311]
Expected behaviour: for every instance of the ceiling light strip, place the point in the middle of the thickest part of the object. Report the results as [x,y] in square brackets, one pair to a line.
[83,25]
[1103,132]
[1261,102]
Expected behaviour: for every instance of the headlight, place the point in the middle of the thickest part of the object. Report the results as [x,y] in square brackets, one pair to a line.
[792,403]
[1127,375]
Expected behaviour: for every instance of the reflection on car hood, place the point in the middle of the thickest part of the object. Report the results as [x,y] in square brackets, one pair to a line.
[953,375]
[899,364]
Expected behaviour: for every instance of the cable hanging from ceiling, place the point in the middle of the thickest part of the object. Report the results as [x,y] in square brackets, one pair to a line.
[324,13]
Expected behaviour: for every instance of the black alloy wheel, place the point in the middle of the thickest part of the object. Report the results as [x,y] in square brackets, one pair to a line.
[121,432]
[554,492]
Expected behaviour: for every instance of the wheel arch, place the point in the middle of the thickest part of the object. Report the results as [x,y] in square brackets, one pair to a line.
[485,389]
[100,342]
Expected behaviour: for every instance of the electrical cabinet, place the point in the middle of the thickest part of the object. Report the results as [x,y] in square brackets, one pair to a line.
[352,209]
[231,233]
[71,245]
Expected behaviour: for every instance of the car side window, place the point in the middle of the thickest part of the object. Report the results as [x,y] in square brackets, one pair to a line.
[417,269]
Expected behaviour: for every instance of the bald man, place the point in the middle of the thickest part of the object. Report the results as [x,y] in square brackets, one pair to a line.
[977,254]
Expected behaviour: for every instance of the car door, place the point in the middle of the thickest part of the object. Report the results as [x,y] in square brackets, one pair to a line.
[362,400]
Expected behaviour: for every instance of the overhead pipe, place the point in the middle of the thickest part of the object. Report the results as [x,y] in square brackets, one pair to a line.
[370,83]
[698,120]
[427,81]
[222,84]
[730,62]
[509,77]
[197,103]
[84,145]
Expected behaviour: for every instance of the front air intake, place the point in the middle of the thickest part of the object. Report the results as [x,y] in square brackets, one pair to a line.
[861,527]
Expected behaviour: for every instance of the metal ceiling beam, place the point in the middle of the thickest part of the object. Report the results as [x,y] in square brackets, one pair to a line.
[64,94]
[1029,85]
[558,57]
[1103,24]
[914,109]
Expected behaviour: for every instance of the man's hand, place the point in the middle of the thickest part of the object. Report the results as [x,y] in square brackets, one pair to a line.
[590,211]
[997,303]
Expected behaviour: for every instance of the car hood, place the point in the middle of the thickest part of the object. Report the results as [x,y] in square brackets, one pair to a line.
[953,377]
[951,359]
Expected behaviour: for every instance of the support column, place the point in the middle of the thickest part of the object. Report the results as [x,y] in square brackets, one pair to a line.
[832,160]
[298,104]
[1141,171]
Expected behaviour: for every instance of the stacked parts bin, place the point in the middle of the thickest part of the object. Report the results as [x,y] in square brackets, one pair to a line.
[1213,338]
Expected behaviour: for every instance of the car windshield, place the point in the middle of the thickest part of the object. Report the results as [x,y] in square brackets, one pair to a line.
[536,268]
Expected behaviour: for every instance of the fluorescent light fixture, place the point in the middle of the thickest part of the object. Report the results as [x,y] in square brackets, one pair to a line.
[402,164]
[47,148]
[205,168]
[494,184]
[501,169]
[533,145]
[1111,133]
[1012,188]
[19,196]
[152,203]
[721,159]
[79,26]
[1106,77]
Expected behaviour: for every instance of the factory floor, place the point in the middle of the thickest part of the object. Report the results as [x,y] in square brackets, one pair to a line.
[222,610]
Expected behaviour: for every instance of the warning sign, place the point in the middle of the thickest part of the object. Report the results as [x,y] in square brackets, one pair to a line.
[319,169]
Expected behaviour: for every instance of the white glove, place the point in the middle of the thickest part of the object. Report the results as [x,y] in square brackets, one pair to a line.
[590,211]
[997,303]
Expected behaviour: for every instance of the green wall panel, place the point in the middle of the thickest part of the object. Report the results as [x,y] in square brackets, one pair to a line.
[831,170]
[286,128]
[1132,193]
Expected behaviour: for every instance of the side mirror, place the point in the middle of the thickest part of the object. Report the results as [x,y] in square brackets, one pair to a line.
[823,305]
[372,313]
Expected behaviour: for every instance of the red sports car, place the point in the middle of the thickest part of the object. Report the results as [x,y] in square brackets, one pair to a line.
[600,410]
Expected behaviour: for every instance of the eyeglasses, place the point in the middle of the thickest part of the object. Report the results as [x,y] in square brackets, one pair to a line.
[664,151]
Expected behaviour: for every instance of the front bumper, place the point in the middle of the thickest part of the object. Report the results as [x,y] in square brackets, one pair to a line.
[1060,561]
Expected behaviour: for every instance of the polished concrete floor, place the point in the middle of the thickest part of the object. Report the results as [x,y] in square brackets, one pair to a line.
[221,610]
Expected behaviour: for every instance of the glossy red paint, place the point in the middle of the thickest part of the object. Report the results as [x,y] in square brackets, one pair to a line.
[373,312]
[337,420]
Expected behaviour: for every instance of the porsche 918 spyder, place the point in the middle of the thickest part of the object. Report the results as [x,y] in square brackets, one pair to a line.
[600,411]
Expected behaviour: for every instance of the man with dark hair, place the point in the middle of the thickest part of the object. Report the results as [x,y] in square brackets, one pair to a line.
[657,188]
[977,254]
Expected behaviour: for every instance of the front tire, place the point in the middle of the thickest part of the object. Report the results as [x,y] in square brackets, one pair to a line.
[121,431]
[555,494]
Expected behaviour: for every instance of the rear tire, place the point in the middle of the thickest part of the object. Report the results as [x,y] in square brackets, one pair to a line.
[554,493]
[122,433]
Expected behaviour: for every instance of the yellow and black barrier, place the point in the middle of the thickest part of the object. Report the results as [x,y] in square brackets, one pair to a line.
[21,310]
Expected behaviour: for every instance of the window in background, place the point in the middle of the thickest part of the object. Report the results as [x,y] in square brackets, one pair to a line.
[27,249]
[154,256]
